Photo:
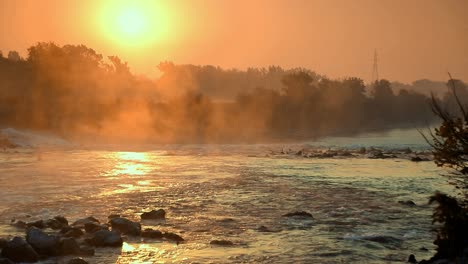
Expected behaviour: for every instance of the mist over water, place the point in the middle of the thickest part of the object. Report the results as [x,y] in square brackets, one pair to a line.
[229,191]
[77,93]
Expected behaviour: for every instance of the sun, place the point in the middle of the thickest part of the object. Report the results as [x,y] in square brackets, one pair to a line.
[134,23]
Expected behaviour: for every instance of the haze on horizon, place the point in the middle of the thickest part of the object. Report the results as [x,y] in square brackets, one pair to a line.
[414,39]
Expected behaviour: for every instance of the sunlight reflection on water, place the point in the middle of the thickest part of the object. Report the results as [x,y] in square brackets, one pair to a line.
[228,196]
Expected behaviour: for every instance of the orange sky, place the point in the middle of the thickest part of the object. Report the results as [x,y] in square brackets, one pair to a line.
[414,38]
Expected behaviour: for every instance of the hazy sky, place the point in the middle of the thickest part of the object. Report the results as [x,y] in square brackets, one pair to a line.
[414,38]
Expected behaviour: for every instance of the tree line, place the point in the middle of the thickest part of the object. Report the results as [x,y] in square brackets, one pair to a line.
[74,91]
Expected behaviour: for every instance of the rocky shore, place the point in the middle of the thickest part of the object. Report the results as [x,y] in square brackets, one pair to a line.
[56,238]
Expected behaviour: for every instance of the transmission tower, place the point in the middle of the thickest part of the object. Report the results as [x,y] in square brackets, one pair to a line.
[375,69]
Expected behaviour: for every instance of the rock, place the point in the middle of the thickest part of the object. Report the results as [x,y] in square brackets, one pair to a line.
[407,151]
[173,237]
[221,243]
[53,224]
[105,238]
[302,214]
[92,227]
[362,150]
[62,220]
[418,159]
[346,154]
[81,222]
[6,261]
[125,226]
[377,155]
[19,224]
[69,246]
[43,243]
[263,229]
[408,203]
[77,261]
[18,250]
[3,242]
[154,214]
[423,249]
[113,216]
[38,224]
[412,259]
[384,239]
[150,233]
[86,251]
[71,232]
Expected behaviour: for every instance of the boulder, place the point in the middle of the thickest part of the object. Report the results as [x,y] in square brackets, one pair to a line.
[412,259]
[105,238]
[77,261]
[18,250]
[301,214]
[150,233]
[43,243]
[154,214]
[69,246]
[81,222]
[125,226]
[221,243]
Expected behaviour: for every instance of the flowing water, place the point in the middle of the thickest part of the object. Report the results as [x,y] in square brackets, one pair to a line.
[227,192]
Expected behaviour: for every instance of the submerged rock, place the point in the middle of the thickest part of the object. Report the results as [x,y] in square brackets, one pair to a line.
[105,238]
[302,214]
[125,226]
[407,202]
[154,214]
[384,239]
[150,233]
[18,250]
[221,243]
[263,229]
[43,243]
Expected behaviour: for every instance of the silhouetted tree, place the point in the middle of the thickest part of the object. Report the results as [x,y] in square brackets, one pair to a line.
[450,148]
